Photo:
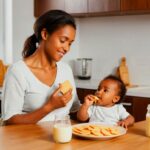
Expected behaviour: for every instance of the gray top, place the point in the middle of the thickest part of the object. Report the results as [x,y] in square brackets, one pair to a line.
[23,92]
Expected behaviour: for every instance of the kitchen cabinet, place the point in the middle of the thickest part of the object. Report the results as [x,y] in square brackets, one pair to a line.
[136,106]
[135,6]
[41,6]
[148,4]
[103,6]
[84,8]
[76,8]
[83,92]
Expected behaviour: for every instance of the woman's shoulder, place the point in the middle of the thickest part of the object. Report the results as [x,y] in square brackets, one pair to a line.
[16,67]
[64,72]
[17,64]
[63,65]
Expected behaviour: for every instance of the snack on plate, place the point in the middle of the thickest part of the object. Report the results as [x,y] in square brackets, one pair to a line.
[65,87]
[96,130]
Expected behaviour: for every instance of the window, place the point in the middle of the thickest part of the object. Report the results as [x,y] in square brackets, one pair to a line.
[6,30]
[1,30]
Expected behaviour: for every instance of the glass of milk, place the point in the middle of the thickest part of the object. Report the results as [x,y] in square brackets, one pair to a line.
[148,121]
[62,129]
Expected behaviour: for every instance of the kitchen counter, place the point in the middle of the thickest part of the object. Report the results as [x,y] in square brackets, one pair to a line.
[39,136]
[140,91]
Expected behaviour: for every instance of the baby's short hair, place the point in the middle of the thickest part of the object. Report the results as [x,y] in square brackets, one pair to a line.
[121,85]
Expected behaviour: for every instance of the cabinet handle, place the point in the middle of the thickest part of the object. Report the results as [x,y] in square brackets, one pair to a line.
[126,104]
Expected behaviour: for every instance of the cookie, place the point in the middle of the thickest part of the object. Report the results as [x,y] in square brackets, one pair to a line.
[65,87]
[95,99]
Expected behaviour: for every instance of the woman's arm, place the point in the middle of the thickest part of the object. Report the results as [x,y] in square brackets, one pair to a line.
[29,118]
[54,102]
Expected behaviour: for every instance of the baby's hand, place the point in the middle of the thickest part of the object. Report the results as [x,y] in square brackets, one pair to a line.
[123,123]
[88,100]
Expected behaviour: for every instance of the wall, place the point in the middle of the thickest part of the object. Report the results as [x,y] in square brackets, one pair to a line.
[107,39]
[23,20]
[1,30]
[6,31]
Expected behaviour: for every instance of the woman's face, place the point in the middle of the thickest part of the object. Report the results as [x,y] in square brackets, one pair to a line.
[108,93]
[58,43]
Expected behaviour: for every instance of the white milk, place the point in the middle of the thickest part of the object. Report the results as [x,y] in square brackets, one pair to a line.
[62,133]
[148,121]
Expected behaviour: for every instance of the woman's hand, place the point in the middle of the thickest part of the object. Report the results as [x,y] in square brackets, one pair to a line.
[57,100]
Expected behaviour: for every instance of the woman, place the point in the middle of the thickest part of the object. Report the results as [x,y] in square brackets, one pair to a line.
[31,90]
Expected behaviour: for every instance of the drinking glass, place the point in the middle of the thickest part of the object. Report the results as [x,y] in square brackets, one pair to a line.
[62,129]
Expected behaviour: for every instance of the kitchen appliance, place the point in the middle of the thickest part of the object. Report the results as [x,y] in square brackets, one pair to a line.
[84,68]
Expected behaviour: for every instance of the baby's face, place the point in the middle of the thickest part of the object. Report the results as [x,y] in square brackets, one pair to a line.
[107,93]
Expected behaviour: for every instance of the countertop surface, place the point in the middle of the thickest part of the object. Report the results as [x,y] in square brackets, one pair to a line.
[39,136]
[141,90]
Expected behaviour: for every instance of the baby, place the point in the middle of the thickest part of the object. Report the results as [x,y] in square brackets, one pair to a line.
[105,107]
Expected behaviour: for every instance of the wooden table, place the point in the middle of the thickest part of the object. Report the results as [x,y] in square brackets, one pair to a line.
[39,137]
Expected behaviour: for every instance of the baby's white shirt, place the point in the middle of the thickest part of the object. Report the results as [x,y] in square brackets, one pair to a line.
[107,115]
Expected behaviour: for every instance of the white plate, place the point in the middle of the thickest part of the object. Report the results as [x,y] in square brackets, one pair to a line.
[122,131]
